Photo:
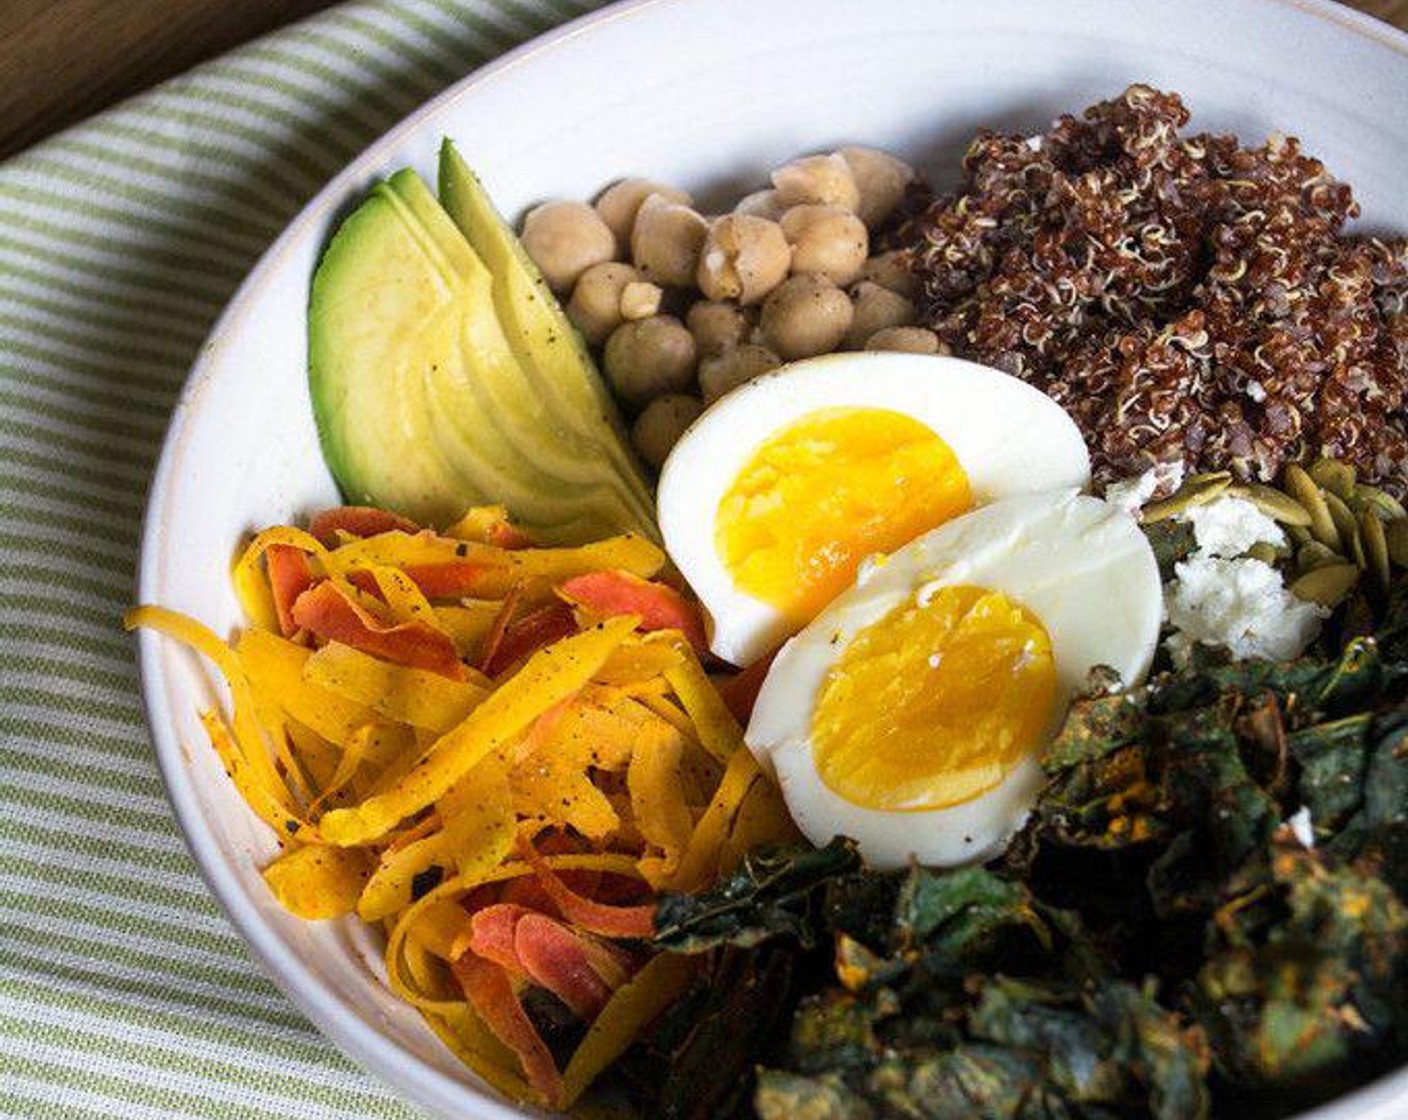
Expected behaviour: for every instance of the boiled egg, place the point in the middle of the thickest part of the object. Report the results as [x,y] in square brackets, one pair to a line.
[912,713]
[771,500]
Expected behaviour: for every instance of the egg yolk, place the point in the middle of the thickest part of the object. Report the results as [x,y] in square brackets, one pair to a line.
[829,490]
[936,703]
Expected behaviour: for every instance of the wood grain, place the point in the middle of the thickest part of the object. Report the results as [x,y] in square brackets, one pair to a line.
[62,60]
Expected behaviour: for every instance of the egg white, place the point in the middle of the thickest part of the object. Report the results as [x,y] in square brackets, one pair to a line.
[1080,565]
[1009,438]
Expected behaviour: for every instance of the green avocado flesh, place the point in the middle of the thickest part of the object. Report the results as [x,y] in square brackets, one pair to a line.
[445,375]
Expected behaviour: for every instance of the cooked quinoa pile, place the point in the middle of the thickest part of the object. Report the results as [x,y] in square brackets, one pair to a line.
[1184,297]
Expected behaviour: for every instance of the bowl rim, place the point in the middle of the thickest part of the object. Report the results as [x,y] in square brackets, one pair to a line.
[336,1017]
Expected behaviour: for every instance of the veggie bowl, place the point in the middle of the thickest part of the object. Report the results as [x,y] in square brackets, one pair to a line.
[674,90]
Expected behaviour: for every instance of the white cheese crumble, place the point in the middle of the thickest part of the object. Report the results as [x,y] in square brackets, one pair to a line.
[1239,604]
[1302,827]
[1229,526]
[1131,494]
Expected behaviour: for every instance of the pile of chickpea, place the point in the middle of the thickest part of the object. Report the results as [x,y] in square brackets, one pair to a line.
[681,307]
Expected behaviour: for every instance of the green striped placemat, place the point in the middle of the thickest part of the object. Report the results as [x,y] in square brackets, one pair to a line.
[123,992]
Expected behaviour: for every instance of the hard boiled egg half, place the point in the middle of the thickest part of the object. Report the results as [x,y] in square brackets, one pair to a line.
[771,500]
[911,714]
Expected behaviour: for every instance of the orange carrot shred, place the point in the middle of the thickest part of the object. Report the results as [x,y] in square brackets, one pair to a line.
[595,917]
[497,628]
[453,579]
[529,634]
[489,989]
[740,691]
[289,576]
[360,521]
[326,611]
[611,593]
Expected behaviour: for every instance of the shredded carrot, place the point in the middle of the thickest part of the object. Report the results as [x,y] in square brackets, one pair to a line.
[659,607]
[331,614]
[508,829]
[358,521]
[289,576]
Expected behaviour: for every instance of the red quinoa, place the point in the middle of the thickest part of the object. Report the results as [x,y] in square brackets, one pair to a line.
[1183,297]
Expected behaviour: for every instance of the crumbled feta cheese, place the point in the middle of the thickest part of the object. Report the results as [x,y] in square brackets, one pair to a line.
[1229,526]
[1302,827]
[1131,493]
[1240,604]
[1256,390]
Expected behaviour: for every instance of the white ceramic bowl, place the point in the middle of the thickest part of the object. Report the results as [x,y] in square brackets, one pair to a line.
[708,94]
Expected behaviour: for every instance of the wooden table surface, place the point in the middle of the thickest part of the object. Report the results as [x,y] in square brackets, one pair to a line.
[62,60]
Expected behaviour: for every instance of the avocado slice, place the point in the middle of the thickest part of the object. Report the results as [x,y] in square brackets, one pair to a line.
[553,354]
[424,405]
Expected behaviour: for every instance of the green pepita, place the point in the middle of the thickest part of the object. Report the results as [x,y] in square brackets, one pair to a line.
[1194,492]
[1313,554]
[1371,532]
[1299,534]
[1334,476]
[1327,586]
[1346,526]
[1374,500]
[1264,551]
[1274,503]
[1303,489]
[1396,534]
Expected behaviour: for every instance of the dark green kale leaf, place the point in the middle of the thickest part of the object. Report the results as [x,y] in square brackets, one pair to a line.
[775,892]
[1157,849]
[1020,1048]
[1106,1044]
[698,1060]
[965,918]
[1306,977]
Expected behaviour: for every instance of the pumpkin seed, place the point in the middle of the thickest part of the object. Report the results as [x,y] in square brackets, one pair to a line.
[1377,501]
[1302,488]
[1396,534]
[1327,586]
[1346,525]
[1264,551]
[1371,532]
[1194,492]
[1334,476]
[1314,555]
[1299,534]
[1206,477]
[1274,503]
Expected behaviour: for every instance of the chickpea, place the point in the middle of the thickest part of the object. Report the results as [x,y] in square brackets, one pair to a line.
[666,240]
[649,357]
[619,203]
[660,426]
[908,340]
[565,239]
[717,326]
[828,240]
[881,180]
[743,258]
[805,315]
[875,309]
[761,204]
[640,299]
[817,180]
[889,270]
[727,371]
[595,306]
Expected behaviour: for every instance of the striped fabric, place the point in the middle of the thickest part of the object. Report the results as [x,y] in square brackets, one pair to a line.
[123,993]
